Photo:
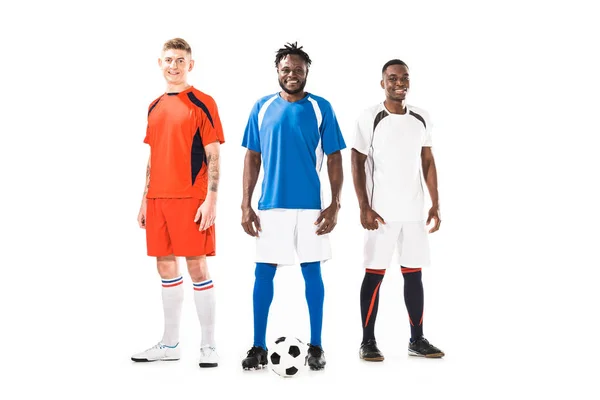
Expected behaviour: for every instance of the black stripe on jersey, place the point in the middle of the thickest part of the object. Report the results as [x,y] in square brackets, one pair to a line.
[154,105]
[200,104]
[417,116]
[198,155]
[380,115]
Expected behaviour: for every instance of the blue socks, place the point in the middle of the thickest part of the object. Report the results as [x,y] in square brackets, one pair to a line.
[315,296]
[263,296]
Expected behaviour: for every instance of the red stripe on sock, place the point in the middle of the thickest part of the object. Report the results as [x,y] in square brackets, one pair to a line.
[375,271]
[203,287]
[409,270]
[172,284]
[372,304]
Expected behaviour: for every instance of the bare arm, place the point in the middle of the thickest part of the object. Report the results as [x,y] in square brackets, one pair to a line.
[430,175]
[328,217]
[147,185]
[142,214]
[359,177]
[250,221]
[369,219]
[336,176]
[212,156]
[207,212]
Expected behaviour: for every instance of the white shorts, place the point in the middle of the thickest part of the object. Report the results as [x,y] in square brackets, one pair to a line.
[287,233]
[409,239]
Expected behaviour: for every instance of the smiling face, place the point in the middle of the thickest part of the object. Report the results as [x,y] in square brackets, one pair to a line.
[396,82]
[175,65]
[292,72]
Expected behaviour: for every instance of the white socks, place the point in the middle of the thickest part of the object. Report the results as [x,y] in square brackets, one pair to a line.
[204,297]
[172,297]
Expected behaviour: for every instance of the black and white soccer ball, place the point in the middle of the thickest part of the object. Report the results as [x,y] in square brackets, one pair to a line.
[287,356]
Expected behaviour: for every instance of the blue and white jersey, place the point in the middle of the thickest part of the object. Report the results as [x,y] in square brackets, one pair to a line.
[292,139]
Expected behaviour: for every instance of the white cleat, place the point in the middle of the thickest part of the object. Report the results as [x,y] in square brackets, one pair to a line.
[208,357]
[159,352]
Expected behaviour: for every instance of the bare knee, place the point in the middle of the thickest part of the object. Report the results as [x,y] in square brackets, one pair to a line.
[167,267]
[197,268]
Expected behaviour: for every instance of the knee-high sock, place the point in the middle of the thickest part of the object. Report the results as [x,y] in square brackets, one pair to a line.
[262,298]
[369,301]
[204,297]
[315,296]
[172,298]
[414,300]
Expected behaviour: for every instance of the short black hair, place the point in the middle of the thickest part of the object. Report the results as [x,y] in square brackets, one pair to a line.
[395,61]
[291,48]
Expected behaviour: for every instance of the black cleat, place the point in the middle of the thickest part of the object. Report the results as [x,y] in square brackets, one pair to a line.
[315,358]
[422,348]
[370,352]
[256,359]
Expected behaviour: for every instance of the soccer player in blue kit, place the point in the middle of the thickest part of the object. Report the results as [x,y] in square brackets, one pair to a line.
[290,133]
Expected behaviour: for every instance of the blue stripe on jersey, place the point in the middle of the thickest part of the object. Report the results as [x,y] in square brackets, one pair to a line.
[292,139]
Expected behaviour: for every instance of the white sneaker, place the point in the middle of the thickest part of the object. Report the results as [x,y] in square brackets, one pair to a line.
[208,357]
[159,352]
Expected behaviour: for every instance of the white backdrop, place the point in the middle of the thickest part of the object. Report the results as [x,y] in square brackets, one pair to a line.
[511,298]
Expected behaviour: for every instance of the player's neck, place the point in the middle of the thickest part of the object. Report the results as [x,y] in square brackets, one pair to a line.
[292,97]
[395,106]
[177,88]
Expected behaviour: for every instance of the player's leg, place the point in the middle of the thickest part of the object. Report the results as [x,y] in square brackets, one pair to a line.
[159,245]
[369,305]
[378,250]
[195,245]
[274,246]
[262,297]
[205,300]
[315,296]
[313,250]
[414,300]
[413,249]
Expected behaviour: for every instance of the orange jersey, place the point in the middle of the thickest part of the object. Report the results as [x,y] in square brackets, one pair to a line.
[179,126]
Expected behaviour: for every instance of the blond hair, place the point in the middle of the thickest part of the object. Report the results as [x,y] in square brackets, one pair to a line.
[177,44]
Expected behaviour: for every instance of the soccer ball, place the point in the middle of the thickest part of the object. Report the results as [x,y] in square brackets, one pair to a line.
[287,356]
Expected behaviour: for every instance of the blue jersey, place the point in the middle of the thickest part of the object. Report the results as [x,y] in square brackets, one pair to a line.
[292,139]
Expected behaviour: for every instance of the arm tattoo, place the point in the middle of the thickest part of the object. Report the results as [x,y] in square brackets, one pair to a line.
[147,180]
[213,172]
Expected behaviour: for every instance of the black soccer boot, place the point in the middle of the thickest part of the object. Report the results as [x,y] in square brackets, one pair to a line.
[315,358]
[422,348]
[256,359]
[370,352]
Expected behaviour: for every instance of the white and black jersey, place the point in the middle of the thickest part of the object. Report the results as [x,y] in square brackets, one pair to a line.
[392,144]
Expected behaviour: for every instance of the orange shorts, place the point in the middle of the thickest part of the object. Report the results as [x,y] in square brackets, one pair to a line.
[171,230]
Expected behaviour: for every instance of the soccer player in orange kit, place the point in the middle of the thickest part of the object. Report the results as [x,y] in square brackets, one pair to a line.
[178,208]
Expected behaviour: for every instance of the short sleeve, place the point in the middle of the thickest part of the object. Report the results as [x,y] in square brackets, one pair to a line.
[212,129]
[362,134]
[251,139]
[331,133]
[427,141]
[147,138]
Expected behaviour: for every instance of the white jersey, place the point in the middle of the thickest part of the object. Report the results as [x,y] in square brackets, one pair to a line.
[392,144]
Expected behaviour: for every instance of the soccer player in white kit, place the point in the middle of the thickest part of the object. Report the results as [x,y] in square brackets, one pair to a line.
[391,157]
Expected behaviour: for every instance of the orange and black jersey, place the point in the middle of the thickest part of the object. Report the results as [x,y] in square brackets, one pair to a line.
[179,126]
